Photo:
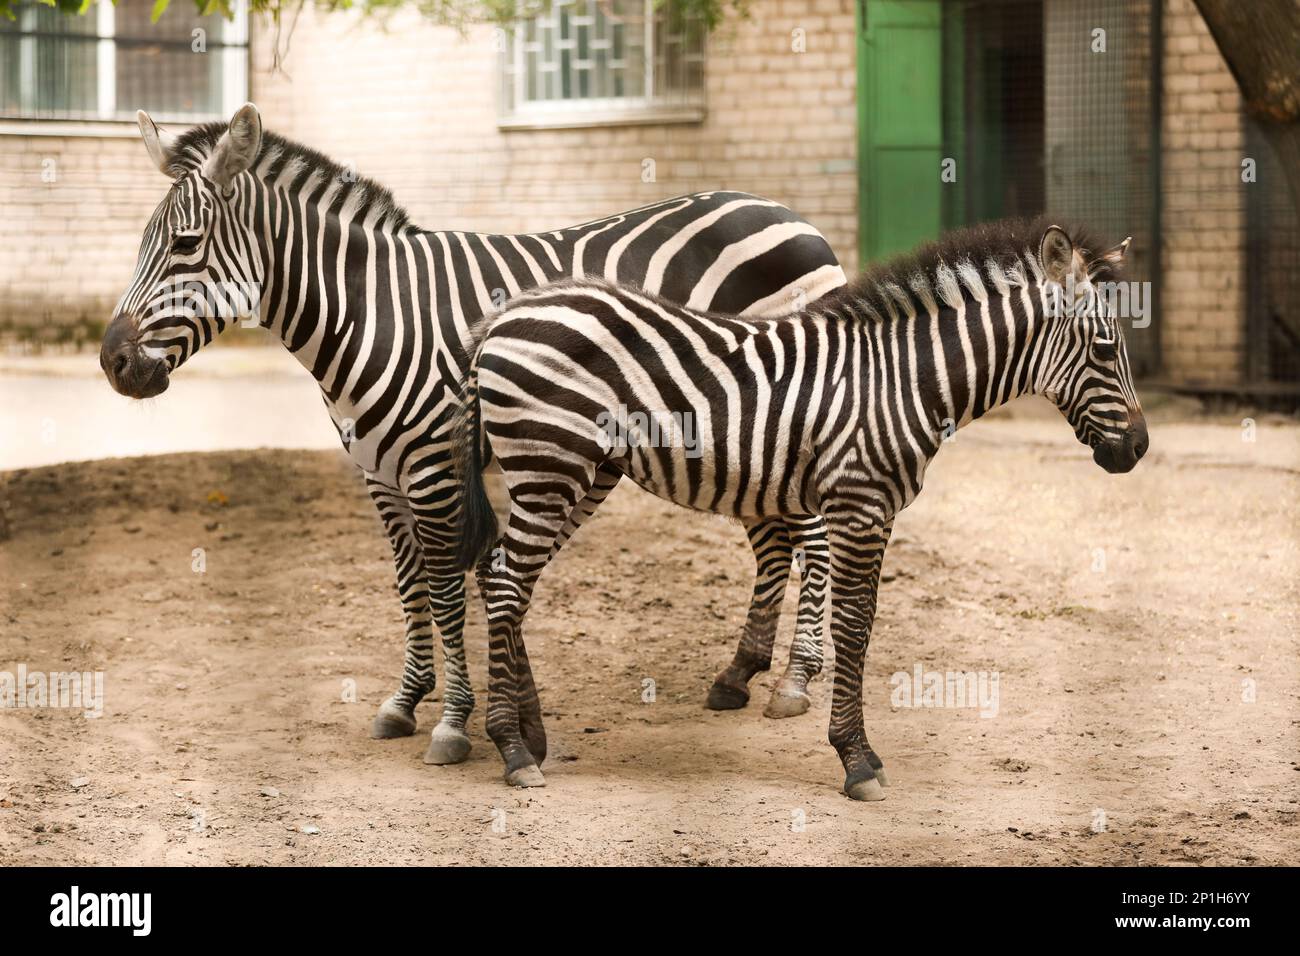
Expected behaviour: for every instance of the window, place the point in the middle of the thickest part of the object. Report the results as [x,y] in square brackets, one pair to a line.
[597,62]
[111,61]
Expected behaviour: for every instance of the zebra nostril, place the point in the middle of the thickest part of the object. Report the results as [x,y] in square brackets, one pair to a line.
[119,365]
[1137,441]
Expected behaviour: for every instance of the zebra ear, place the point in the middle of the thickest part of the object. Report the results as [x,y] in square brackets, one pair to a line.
[1056,252]
[1116,256]
[160,143]
[237,148]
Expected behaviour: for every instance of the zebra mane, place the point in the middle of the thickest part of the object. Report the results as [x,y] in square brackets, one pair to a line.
[195,145]
[967,265]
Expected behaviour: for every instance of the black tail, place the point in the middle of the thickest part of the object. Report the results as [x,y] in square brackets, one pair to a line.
[478,522]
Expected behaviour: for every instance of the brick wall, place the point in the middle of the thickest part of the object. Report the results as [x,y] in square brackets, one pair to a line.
[1204,219]
[420,115]
[72,209]
[414,106]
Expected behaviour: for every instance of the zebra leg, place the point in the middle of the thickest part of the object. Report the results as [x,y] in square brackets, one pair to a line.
[396,716]
[771,543]
[607,476]
[449,743]
[531,726]
[812,558]
[506,579]
[506,592]
[857,547]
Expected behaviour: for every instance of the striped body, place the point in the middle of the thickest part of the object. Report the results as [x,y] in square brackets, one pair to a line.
[574,358]
[835,411]
[260,230]
[371,350]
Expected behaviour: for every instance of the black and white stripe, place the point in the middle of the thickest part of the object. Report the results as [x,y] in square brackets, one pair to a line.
[835,412]
[381,312]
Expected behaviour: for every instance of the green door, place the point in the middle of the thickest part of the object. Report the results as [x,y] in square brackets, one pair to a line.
[900,125]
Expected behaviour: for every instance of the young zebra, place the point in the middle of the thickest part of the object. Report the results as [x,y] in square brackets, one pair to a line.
[836,411]
[379,311]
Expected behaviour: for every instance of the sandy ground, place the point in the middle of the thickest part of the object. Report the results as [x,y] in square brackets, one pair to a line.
[1143,630]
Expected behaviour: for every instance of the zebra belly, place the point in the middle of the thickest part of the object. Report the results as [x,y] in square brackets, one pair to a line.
[411,442]
[727,508]
[695,478]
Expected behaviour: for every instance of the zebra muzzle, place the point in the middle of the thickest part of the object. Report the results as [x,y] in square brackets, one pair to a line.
[129,370]
[1121,455]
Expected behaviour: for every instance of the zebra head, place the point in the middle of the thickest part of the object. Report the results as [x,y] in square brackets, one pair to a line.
[197,267]
[1086,371]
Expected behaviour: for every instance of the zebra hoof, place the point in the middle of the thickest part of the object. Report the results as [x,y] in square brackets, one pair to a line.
[787,704]
[446,746]
[529,776]
[880,775]
[391,721]
[868,789]
[727,697]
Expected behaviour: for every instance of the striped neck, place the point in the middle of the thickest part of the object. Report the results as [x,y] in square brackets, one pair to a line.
[328,281]
[959,341]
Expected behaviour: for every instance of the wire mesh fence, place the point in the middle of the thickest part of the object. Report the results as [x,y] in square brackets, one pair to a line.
[1054,111]
[1272,269]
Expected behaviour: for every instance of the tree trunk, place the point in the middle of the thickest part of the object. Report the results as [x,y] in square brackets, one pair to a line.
[1260,40]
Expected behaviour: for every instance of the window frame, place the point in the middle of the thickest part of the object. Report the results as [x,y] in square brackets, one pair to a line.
[517,112]
[233,47]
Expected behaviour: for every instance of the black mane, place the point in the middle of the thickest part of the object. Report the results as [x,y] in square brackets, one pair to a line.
[1004,241]
[195,145]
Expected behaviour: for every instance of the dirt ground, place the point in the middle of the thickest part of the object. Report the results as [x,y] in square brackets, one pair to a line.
[1143,630]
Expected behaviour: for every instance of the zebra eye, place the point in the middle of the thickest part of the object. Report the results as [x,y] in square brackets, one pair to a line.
[185,243]
[1105,350]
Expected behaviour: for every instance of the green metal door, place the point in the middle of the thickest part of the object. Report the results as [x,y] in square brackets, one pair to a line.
[900,125]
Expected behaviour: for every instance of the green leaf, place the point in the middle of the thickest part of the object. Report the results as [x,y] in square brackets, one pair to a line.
[457,13]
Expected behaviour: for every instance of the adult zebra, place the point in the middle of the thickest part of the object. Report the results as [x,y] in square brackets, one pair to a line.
[835,412]
[380,311]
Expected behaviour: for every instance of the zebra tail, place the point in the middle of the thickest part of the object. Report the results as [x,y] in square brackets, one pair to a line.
[478,522]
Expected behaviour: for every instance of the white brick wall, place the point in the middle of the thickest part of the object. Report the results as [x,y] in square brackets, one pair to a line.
[414,106]
[71,213]
[421,117]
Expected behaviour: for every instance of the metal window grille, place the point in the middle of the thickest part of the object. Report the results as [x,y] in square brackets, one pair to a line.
[597,62]
[111,61]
